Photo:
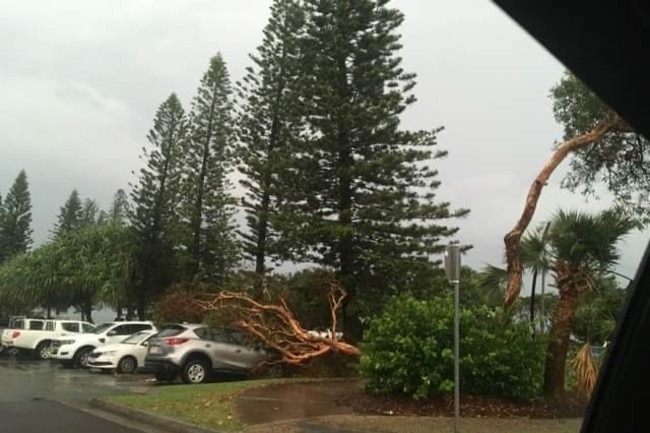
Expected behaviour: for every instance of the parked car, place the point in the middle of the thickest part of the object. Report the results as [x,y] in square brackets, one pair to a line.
[123,357]
[5,349]
[4,324]
[35,335]
[195,352]
[74,350]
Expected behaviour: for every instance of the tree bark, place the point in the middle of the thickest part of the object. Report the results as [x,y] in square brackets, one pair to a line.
[512,239]
[142,303]
[265,206]
[560,335]
[87,311]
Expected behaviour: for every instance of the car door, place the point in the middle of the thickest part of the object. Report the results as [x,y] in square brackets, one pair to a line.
[222,352]
[249,354]
[227,351]
[140,350]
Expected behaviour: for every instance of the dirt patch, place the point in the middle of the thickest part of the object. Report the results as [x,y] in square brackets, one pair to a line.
[411,424]
[402,424]
[569,406]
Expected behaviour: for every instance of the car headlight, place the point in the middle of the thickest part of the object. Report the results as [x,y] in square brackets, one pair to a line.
[64,342]
[109,353]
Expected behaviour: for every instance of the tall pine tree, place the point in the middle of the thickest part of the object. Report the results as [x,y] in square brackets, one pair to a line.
[157,199]
[119,208]
[266,123]
[16,231]
[208,209]
[90,213]
[363,200]
[70,215]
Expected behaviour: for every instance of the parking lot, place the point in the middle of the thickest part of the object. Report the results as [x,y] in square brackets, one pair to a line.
[38,396]
[25,380]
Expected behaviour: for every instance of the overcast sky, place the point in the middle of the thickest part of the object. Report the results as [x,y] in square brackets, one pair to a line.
[80,82]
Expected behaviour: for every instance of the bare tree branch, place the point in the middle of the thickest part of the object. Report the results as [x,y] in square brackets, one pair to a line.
[513,238]
[276,326]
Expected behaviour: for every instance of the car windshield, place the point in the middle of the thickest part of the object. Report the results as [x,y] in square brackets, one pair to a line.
[103,327]
[136,338]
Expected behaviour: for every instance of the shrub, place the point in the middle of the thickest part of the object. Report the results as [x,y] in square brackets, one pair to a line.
[409,350]
[178,304]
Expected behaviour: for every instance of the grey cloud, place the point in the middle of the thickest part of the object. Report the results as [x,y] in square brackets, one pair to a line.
[81,81]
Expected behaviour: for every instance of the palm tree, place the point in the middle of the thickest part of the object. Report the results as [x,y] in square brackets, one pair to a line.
[581,249]
[578,249]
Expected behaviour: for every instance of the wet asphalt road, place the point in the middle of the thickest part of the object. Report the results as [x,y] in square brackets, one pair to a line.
[40,397]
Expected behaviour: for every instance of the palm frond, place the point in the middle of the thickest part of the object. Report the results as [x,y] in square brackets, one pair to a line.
[586,370]
[491,281]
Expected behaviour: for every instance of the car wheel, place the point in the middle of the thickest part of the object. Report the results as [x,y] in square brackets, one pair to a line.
[80,358]
[127,365]
[195,371]
[43,350]
[164,376]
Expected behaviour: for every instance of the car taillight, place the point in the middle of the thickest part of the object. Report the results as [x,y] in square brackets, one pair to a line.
[15,334]
[175,341]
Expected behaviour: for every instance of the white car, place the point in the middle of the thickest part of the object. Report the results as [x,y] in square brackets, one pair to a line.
[73,350]
[123,357]
[35,335]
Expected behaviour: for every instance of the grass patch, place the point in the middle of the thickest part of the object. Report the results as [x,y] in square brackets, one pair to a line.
[209,405]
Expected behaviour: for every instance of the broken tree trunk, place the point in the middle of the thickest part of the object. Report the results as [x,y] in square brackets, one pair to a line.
[276,326]
[512,239]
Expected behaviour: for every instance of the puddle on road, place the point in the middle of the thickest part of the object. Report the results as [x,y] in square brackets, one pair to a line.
[25,379]
[294,401]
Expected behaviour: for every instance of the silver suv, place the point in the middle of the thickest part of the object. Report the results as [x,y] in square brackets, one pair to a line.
[196,352]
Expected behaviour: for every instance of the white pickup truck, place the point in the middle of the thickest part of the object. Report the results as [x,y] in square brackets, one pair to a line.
[35,335]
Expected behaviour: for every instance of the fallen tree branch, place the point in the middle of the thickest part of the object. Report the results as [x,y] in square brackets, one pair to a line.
[513,238]
[276,326]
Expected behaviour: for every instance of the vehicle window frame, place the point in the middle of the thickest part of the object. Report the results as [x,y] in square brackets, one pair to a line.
[33,322]
[137,327]
[75,324]
[115,333]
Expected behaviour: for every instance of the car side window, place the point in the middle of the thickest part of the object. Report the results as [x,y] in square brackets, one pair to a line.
[220,336]
[238,337]
[139,327]
[87,327]
[202,333]
[70,326]
[36,325]
[121,330]
[49,326]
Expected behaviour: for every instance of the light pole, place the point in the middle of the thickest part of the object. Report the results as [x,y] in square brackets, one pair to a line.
[452,268]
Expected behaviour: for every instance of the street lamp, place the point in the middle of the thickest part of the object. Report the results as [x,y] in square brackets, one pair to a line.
[452,268]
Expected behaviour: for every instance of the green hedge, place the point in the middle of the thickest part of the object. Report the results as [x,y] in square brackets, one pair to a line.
[409,350]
